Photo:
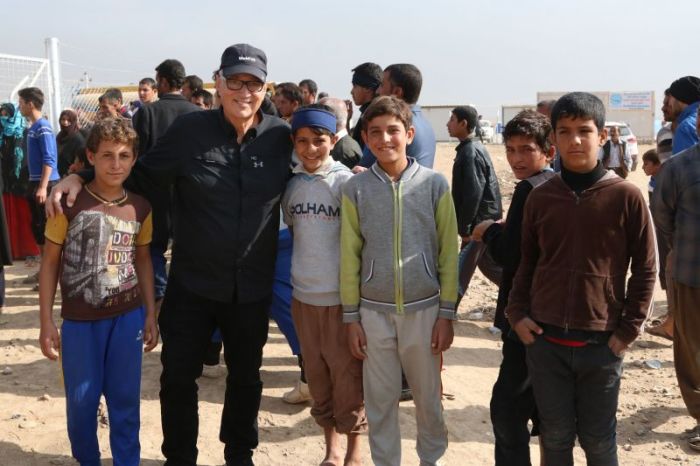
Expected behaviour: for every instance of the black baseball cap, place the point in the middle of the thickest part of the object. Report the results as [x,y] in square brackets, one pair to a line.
[244,58]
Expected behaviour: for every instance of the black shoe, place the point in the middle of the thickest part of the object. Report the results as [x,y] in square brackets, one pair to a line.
[406,394]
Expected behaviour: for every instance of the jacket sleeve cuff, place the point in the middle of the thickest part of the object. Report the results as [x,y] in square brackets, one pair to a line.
[514,316]
[626,334]
[448,310]
[351,313]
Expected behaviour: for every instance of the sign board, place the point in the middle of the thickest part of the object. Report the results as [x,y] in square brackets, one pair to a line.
[631,100]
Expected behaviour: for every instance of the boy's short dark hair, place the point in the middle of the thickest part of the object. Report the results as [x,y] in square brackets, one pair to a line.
[173,71]
[113,94]
[148,82]
[408,77]
[388,105]
[115,130]
[33,95]
[194,82]
[315,129]
[467,113]
[579,105]
[367,75]
[310,85]
[206,96]
[651,156]
[531,124]
[291,92]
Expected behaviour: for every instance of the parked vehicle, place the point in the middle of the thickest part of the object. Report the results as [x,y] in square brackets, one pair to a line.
[487,131]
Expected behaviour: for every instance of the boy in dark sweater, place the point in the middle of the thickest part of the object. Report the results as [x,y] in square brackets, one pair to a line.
[571,304]
[529,153]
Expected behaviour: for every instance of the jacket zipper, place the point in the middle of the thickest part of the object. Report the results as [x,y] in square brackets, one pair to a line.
[398,265]
[571,284]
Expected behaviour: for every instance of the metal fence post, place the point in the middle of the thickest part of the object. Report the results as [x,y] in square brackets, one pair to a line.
[54,81]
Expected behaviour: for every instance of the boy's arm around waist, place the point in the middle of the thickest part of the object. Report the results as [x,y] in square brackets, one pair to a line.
[519,298]
[643,267]
[446,224]
[351,243]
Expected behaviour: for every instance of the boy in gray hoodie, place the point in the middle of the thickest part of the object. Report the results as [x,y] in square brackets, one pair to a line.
[398,282]
[311,208]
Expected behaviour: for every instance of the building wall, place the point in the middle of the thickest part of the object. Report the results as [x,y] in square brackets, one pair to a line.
[634,108]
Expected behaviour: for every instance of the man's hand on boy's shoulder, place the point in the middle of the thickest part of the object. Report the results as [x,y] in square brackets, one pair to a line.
[443,334]
[617,346]
[526,329]
[357,340]
[70,185]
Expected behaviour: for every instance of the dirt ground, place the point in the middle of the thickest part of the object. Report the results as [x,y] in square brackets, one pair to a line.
[651,414]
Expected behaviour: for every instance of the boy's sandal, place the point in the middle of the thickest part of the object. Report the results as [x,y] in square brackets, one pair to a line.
[659,331]
[694,439]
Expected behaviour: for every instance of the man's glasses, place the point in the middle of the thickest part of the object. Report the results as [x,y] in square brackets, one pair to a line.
[237,84]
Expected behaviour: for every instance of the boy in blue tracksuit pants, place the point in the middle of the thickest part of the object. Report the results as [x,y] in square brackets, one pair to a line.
[99,248]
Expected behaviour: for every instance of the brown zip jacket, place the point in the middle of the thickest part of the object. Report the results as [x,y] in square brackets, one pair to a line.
[576,251]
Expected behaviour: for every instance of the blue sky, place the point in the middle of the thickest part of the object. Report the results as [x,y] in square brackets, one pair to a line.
[485,53]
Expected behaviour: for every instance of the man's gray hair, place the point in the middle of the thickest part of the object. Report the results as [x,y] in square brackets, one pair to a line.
[339,109]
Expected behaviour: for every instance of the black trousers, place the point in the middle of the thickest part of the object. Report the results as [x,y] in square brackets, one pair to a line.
[187,322]
[512,406]
[576,390]
[37,212]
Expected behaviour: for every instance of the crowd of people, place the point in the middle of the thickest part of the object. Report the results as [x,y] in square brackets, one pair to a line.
[275,207]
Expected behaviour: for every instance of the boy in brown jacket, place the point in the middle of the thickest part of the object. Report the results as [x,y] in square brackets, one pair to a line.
[582,231]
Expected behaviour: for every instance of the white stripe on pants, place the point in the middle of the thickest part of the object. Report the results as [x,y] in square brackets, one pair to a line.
[395,341]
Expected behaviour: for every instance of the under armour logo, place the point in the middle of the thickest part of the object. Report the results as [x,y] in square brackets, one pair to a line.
[257,164]
[139,336]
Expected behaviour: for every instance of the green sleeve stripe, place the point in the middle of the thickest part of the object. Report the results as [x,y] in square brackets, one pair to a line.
[350,253]
[446,222]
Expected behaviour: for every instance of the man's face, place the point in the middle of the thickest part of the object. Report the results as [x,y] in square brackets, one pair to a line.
[285,106]
[672,108]
[199,102]
[241,104]
[25,108]
[387,87]
[525,156]
[306,96]
[146,93]
[387,138]
[108,108]
[456,129]
[615,134]
[186,91]
[578,141]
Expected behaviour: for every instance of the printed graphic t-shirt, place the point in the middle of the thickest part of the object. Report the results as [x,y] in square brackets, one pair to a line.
[98,274]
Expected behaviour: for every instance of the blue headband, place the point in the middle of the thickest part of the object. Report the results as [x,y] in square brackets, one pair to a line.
[314,117]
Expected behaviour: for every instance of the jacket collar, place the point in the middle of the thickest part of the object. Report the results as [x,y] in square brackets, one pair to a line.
[407,174]
[691,109]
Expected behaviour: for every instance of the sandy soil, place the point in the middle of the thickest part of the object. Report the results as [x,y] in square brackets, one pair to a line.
[651,415]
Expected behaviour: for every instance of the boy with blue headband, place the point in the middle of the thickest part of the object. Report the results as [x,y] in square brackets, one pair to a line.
[311,208]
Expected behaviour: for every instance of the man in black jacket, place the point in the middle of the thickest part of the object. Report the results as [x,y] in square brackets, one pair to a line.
[476,195]
[151,122]
[228,168]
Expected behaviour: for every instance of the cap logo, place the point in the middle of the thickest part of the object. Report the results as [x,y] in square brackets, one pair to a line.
[246,59]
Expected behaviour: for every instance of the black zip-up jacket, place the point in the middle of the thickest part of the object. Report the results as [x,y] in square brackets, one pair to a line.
[226,201]
[503,241]
[474,187]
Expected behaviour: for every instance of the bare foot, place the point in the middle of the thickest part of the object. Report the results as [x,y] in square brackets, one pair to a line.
[352,462]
